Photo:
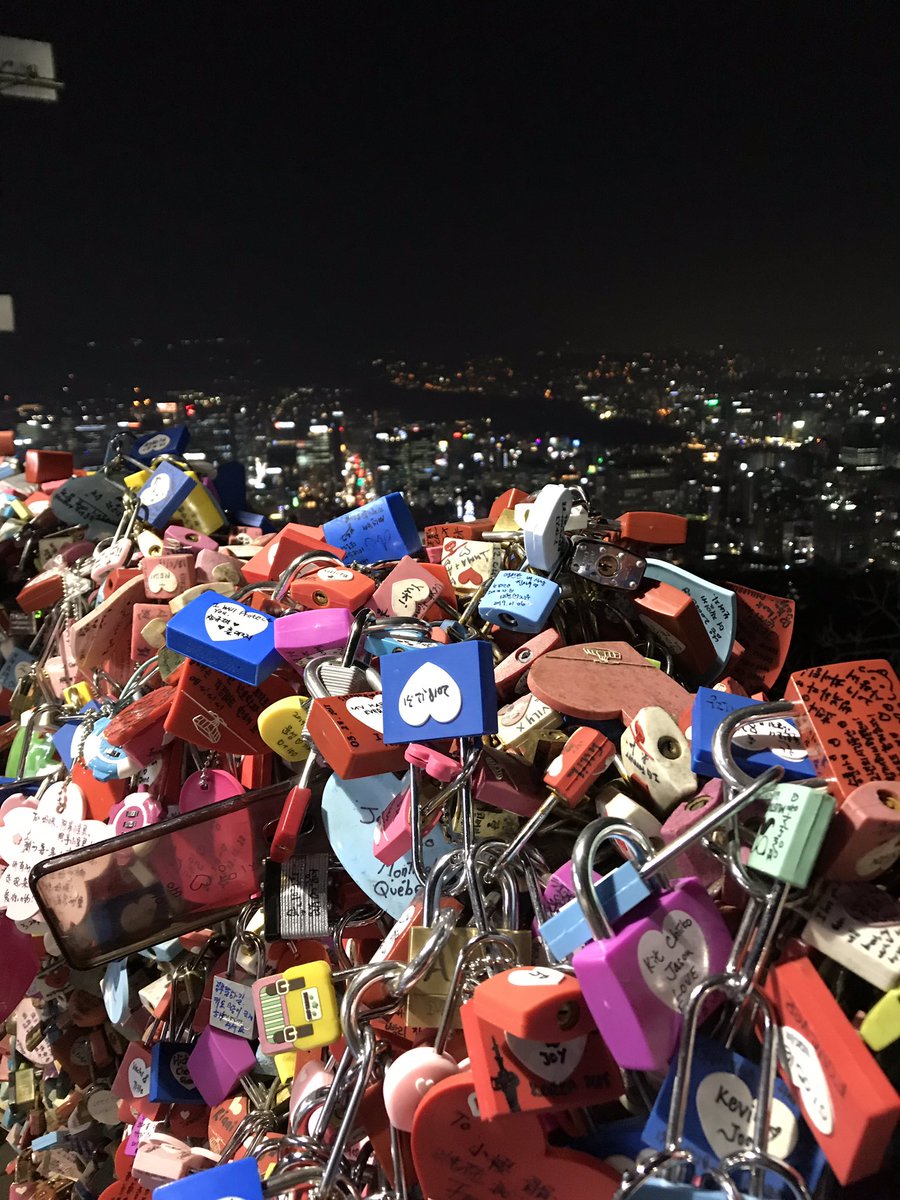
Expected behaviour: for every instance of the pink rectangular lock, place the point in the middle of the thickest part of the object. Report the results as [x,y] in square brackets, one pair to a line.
[167,575]
[300,635]
[696,859]
[214,567]
[178,539]
[141,616]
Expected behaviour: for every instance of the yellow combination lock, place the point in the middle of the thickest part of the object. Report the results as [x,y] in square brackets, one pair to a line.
[881,1025]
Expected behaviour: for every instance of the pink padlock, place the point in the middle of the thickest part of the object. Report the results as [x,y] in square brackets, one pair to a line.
[696,860]
[214,567]
[178,538]
[507,783]
[167,575]
[392,832]
[216,1063]
[434,554]
[208,787]
[134,812]
[636,980]
[437,766]
[408,1080]
[300,635]
[312,1077]
[116,554]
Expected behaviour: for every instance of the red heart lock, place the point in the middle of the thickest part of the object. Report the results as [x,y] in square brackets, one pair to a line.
[457,1154]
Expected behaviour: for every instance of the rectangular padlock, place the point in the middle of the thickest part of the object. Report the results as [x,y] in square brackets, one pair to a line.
[769,742]
[412,589]
[163,494]
[444,692]
[519,600]
[858,926]
[469,563]
[791,833]
[379,531]
[348,733]
[228,636]
[717,607]
[167,575]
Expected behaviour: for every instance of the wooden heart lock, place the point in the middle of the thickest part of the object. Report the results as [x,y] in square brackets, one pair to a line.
[456,1154]
[602,681]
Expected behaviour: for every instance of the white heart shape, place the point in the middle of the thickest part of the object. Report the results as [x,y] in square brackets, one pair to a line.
[161,579]
[727,1109]
[178,1065]
[774,734]
[429,694]
[674,959]
[554,1061]
[156,490]
[367,709]
[159,441]
[407,595]
[139,1077]
[229,622]
[334,575]
[809,1079]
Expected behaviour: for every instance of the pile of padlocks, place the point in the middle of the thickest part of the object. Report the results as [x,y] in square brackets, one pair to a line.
[342,865]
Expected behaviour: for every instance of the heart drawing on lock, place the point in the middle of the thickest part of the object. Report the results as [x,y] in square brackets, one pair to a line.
[674,959]
[228,622]
[161,579]
[156,490]
[553,1061]
[407,595]
[727,1110]
[368,711]
[430,694]
[467,1156]
[470,575]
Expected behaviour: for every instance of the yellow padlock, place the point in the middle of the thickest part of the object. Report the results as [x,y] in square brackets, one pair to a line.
[200,511]
[137,479]
[76,695]
[881,1025]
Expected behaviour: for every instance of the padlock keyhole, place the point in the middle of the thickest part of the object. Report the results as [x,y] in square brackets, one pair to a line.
[508,619]
[889,799]
[668,747]
[320,598]
[568,1015]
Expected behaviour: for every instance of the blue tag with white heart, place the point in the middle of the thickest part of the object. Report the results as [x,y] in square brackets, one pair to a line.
[230,637]
[443,692]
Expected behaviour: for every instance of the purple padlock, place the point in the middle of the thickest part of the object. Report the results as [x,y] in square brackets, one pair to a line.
[217,1062]
[696,859]
[636,981]
[300,635]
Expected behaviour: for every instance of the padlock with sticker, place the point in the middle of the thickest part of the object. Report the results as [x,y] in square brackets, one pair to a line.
[521,601]
[444,692]
[170,1076]
[657,758]
[298,1008]
[228,636]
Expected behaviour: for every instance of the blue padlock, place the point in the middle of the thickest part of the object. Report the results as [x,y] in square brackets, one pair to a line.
[163,494]
[382,529]
[774,742]
[617,894]
[614,1141]
[170,441]
[170,1076]
[230,637]
[236,1180]
[519,600]
[443,692]
[717,607]
[722,1089]
[109,762]
[379,644]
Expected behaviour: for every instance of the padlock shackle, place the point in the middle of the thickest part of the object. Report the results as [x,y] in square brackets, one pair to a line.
[604,829]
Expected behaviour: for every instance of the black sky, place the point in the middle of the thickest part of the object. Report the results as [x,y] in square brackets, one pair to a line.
[451,175]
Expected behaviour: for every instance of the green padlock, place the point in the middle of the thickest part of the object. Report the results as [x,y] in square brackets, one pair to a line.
[792,831]
[41,754]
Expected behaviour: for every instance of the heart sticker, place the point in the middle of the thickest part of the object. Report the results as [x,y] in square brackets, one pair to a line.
[674,959]
[430,693]
[228,622]
[155,444]
[774,734]
[463,1160]
[161,579]
[367,710]
[334,575]
[727,1110]
[809,1079]
[156,490]
[408,595]
[178,1065]
[554,1061]
[139,1077]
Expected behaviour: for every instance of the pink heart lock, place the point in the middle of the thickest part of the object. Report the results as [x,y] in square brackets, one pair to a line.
[409,1078]
[208,787]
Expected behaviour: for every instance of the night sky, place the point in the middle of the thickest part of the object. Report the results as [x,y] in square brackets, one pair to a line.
[453,176]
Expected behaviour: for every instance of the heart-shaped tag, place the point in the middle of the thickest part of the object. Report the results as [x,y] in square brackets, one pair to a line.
[408,596]
[554,1061]
[350,808]
[674,959]
[430,693]
[156,490]
[368,710]
[228,622]
[161,579]
[727,1110]
[457,1155]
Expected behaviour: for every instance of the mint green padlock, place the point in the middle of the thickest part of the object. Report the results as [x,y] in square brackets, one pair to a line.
[792,831]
